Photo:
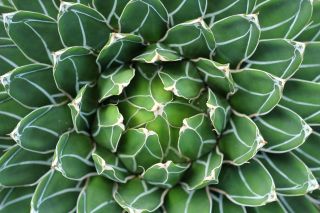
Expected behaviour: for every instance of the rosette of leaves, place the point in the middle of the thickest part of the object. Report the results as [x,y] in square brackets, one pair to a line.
[160,106]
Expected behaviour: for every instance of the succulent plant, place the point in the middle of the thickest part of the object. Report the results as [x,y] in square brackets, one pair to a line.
[160,106]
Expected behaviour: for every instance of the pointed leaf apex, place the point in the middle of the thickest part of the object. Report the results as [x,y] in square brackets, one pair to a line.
[116,36]
[272,196]
[307,130]
[312,185]
[5,79]
[7,17]
[56,56]
[252,18]
[300,46]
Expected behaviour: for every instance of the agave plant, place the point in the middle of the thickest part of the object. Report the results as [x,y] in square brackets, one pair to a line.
[160,106]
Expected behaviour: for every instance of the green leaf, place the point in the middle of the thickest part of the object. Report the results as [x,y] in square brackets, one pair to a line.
[263,96]
[203,171]
[241,140]
[236,38]
[83,108]
[73,68]
[72,156]
[36,80]
[298,204]
[96,196]
[150,23]
[309,69]
[191,39]
[11,112]
[158,53]
[283,130]
[47,7]
[196,137]
[5,143]
[42,30]
[182,79]
[242,185]
[165,174]
[11,57]
[15,199]
[108,165]
[17,161]
[309,153]
[311,32]
[289,181]
[279,57]
[111,10]
[139,149]
[88,27]
[113,81]
[179,10]
[55,193]
[108,127]
[215,75]
[217,9]
[120,49]
[303,97]
[180,200]
[219,111]
[221,204]
[286,24]
[270,207]
[38,133]
[138,196]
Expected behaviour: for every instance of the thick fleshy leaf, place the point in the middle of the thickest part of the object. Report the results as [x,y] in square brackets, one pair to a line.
[179,10]
[111,10]
[303,97]
[6,9]
[310,154]
[11,112]
[286,24]
[298,204]
[19,167]
[88,27]
[309,69]
[42,30]
[204,171]
[73,68]
[96,196]
[215,75]
[108,127]
[241,140]
[219,112]
[108,165]
[113,80]
[289,181]
[72,156]
[236,38]
[35,80]
[5,143]
[217,9]
[47,7]
[182,79]
[165,174]
[191,39]
[138,196]
[120,49]
[40,130]
[263,95]
[283,130]
[55,193]
[10,56]
[3,32]
[242,185]
[221,204]
[15,199]
[279,57]
[312,31]
[269,207]
[83,108]
[196,137]
[151,22]
[139,149]
[158,53]
[180,200]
